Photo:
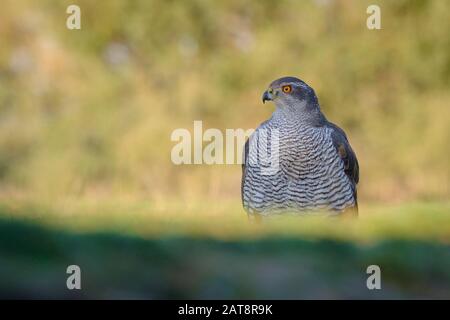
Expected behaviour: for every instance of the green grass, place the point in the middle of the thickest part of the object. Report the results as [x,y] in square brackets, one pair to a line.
[140,251]
[227,220]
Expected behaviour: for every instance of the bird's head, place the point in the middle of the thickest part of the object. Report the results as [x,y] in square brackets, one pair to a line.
[291,94]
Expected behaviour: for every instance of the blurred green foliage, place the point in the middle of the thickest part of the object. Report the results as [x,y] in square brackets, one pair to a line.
[88,113]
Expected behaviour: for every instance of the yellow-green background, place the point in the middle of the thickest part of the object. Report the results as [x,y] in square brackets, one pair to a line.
[86,115]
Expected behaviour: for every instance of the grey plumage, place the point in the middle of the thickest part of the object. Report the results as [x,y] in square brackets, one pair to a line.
[316,167]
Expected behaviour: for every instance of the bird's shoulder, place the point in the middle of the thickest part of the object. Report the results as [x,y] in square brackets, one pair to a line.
[266,125]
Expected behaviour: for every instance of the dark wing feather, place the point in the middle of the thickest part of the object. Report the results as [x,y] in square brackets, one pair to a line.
[347,154]
[244,173]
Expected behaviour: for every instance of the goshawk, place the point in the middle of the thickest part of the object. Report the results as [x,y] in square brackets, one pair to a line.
[298,161]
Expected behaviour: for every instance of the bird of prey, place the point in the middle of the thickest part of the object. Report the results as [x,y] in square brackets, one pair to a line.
[315,167]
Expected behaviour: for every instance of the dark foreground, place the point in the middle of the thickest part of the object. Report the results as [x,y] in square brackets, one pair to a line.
[33,262]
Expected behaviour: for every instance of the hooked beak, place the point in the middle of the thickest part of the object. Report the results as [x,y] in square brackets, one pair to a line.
[267,96]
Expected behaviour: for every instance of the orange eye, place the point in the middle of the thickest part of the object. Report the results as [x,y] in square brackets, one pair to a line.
[287,89]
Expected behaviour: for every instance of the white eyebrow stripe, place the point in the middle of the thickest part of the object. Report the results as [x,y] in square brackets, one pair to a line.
[294,84]
[301,85]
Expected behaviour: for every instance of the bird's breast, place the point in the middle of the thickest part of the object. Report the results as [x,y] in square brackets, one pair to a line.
[304,153]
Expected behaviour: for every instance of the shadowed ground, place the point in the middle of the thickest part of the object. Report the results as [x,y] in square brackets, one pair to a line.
[33,261]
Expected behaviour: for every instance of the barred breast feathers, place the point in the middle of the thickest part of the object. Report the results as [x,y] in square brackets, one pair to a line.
[312,174]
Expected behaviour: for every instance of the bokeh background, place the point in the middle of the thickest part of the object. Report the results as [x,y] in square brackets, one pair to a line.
[85,123]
